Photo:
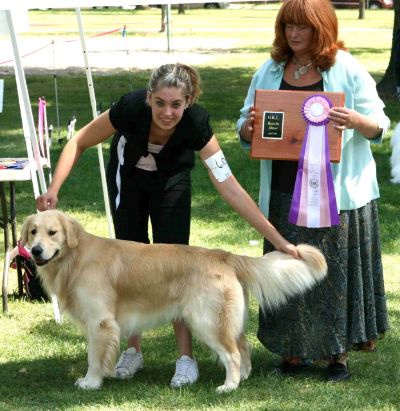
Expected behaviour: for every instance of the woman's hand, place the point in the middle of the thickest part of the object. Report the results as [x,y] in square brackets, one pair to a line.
[246,131]
[46,201]
[345,118]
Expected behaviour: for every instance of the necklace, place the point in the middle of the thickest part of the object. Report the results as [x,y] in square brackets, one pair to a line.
[301,69]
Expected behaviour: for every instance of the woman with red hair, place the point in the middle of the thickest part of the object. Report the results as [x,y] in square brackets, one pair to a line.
[348,309]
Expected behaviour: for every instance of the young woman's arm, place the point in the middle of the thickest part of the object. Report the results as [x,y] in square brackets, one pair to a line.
[234,194]
[93,133]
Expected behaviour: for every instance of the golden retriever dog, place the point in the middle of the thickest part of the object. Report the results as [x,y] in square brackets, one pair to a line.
[115,287]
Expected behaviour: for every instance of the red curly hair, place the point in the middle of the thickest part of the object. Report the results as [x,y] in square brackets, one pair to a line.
[321,17]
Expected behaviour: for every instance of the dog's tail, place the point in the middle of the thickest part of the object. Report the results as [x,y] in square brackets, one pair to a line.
[277,276]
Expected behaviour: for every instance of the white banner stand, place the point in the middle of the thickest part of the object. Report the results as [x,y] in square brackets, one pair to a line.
[28,125]
[31,141]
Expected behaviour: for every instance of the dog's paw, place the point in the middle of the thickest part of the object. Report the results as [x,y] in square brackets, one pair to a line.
[226,388]
[88,383]
[245,374]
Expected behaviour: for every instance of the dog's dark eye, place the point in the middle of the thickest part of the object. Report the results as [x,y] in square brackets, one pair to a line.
[51,232]
[33,232]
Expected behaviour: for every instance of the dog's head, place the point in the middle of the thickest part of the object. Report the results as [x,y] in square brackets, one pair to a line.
[50,234]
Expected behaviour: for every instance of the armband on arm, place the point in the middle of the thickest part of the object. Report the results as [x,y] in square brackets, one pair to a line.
[218,166]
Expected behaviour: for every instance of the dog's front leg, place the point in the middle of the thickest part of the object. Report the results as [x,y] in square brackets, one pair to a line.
[91,381]
[103,346]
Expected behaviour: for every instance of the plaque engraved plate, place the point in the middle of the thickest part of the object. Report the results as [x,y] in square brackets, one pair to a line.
[273,124]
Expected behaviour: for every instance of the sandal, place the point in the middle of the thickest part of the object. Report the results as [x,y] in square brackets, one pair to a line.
[369,346]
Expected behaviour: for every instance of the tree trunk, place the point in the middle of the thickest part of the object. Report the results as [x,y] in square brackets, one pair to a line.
[361,10]
[387,86]
[163,18]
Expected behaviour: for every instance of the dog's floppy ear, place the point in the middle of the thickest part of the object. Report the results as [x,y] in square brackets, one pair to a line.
[72,231]
[25,229]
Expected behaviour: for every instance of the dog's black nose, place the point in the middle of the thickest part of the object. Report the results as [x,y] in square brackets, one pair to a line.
[36,250]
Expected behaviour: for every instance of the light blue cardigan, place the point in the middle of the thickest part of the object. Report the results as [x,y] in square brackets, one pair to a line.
[355,176]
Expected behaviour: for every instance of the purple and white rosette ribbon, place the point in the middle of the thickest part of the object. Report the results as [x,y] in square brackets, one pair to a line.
[314,202]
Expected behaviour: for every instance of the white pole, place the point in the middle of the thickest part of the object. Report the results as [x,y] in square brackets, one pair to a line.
[169,27]
[56,90]
[94,113]
[26,113]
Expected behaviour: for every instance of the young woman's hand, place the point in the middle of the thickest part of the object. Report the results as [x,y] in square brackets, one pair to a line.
[290,249]
[46,201]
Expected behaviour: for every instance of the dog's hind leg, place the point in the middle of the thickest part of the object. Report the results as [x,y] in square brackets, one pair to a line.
[229,355]
[103,346]
[223,338]
[216,317]
[224,343]
[245,353]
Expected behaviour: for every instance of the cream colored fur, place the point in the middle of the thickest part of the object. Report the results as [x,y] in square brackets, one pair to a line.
[114,287]
[395,157]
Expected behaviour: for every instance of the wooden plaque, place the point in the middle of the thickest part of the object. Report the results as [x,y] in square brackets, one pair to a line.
[279,126]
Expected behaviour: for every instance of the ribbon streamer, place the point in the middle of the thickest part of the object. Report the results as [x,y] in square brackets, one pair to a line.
[314,202]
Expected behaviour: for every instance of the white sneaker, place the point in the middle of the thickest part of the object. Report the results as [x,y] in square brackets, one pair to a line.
[129,363]
[186,372]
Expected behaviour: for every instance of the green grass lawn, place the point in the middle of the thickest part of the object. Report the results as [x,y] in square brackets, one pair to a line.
[39,360]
